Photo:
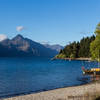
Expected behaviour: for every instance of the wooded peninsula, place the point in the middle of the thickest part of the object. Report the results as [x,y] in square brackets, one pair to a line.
[87,47]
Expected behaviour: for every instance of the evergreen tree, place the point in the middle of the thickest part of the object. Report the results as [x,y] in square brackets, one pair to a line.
[77,49]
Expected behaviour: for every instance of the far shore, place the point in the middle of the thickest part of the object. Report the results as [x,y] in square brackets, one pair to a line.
[85,59]
[63,93]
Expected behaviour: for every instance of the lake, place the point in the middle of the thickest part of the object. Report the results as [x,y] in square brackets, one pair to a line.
[27,75]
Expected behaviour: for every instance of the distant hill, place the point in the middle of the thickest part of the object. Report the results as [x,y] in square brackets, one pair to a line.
[56,47]
[20,46]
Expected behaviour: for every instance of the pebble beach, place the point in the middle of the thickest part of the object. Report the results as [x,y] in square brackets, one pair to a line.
[60,94]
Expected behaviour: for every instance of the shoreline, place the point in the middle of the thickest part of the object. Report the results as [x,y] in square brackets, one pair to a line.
[60,93]
[84,59]
[39,91]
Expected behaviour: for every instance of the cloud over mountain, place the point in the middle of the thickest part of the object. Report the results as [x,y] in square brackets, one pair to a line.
[3,37]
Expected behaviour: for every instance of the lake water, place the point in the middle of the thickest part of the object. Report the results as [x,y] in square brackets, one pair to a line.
[26,75]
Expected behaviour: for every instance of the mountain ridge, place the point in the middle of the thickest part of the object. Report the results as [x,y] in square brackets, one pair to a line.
[20,46]
[56,47]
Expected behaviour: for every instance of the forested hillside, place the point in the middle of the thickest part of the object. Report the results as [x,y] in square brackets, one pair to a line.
[77,49]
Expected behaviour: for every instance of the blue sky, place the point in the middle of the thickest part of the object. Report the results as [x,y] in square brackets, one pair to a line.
[52,21]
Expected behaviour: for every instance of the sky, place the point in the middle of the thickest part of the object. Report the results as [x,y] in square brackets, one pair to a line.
[49,21]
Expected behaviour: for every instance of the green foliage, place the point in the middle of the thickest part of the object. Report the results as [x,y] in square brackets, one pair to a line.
[95,45]
[97,31]
[78,49]
[60,56]
[84,50]
[72,56]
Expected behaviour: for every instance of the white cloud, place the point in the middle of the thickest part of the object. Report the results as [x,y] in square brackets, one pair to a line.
[3,37]
[19,28]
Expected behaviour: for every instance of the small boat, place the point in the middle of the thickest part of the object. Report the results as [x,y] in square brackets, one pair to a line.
[91,71]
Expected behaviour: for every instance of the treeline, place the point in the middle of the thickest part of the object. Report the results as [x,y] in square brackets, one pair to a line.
[77,49]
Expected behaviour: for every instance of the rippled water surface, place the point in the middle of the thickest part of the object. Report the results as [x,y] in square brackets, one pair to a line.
[25,75]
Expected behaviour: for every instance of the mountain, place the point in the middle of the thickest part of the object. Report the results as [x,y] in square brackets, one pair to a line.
[56,47]
[20,46]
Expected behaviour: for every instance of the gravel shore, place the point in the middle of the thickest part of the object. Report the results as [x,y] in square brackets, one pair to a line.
[83,59]
[60,94]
